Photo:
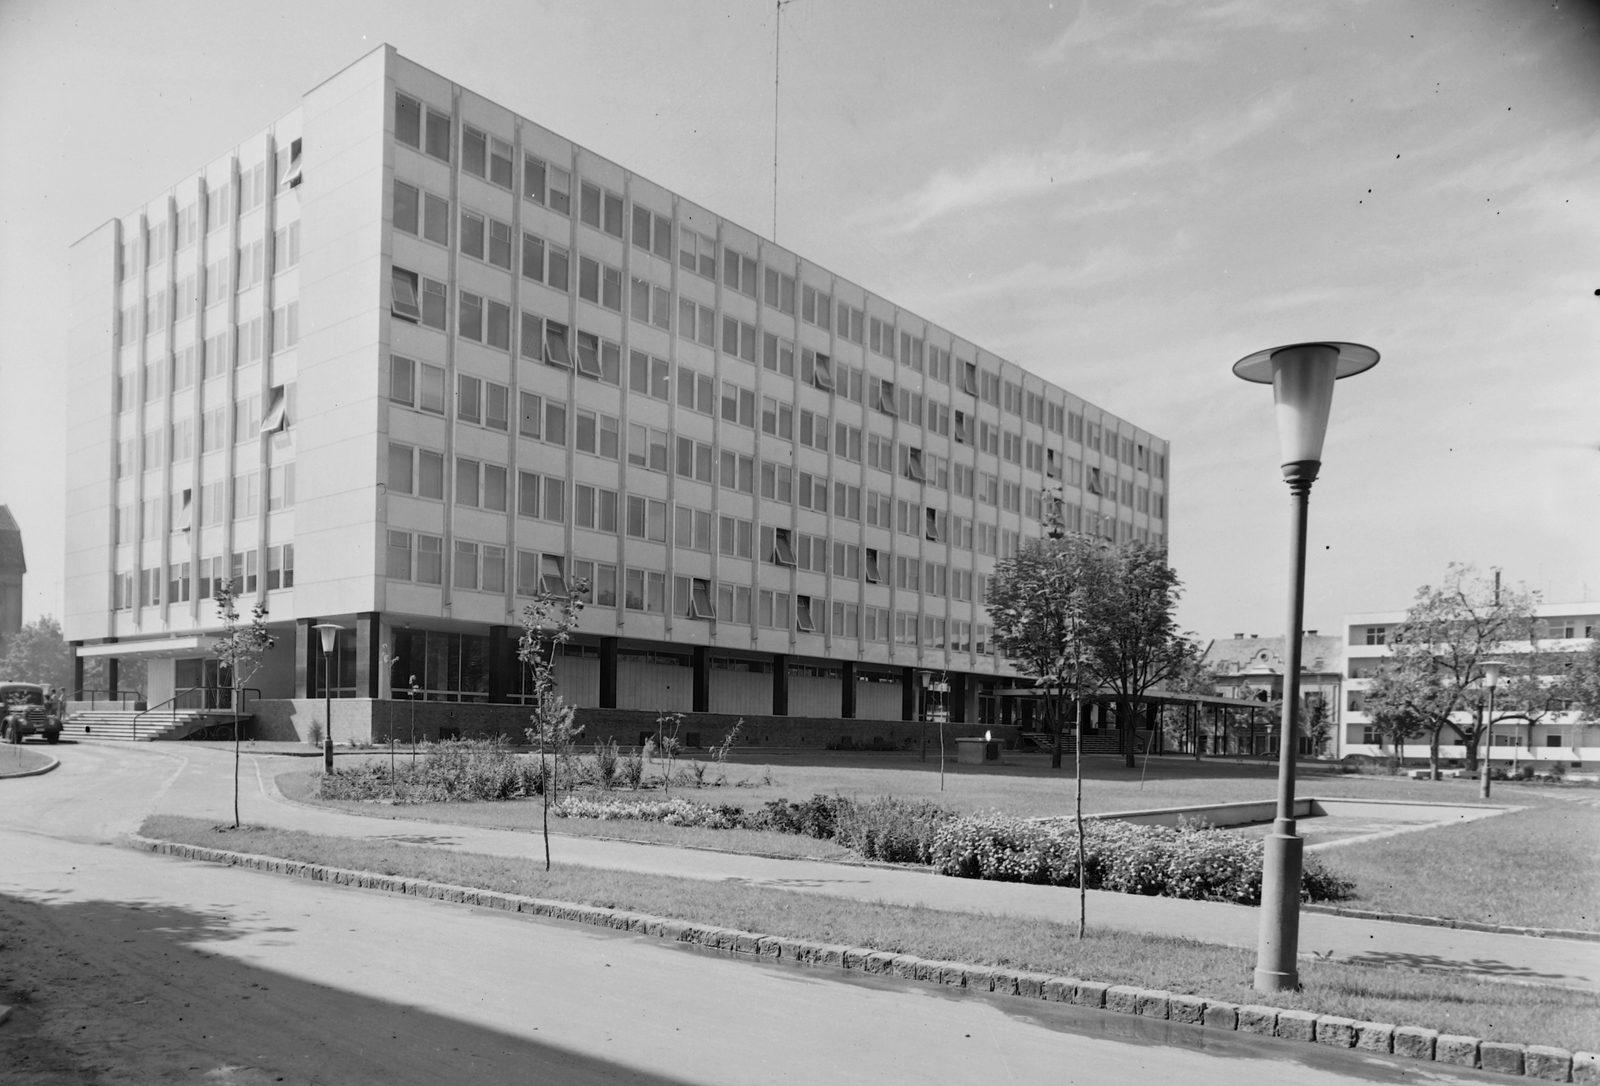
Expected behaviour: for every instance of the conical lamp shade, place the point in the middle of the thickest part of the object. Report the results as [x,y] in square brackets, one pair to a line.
[1302,377]
[1302,387]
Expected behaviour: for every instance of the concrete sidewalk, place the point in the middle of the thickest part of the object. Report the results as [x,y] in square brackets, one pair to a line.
[203,789]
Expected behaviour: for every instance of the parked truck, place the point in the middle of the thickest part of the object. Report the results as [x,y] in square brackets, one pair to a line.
[29,710]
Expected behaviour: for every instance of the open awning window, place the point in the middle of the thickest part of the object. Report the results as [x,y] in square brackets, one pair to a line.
[873,575]
[405,295]
[184,517]
[700,605]
[969,378]
[277,416]
[552,577]
[293,178]
[802,615]
[914,465]
[589,355]
[783,552]
[822,374]
[932,531]
[555,345]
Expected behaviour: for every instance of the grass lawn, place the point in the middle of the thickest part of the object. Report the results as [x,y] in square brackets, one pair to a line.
[1025,784]
[1538,867]
[21,758]
[527,815]
[1452,1004]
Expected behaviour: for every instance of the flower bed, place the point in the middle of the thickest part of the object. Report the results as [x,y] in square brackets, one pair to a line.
[672,812]
[1186,862]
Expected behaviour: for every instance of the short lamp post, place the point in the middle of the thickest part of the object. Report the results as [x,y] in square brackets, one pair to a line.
[1302,377]
[330,637]
[1491,679]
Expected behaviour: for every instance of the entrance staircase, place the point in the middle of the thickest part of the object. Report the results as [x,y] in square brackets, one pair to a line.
[1103,741]
[127,726]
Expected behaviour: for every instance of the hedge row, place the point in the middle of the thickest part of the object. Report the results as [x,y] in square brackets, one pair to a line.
[1186,862]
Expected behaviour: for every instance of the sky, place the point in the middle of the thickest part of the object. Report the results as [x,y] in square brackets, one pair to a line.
[1122,197]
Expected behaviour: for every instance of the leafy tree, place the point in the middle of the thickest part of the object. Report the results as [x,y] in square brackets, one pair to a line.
[1434,681]
[239,649]
[1579,682]
[1077,603]
[1393,711]
[1132,636]
[1036,603]
[547,624]
[37,653]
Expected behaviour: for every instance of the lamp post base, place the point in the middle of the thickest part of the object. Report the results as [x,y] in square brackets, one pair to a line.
[1282,861]
[327,755]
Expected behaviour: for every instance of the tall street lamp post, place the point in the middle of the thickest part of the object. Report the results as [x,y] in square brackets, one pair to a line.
[1491,679]
[1302,377]
[330,636]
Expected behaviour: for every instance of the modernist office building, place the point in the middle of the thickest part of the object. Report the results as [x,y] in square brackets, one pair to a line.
[406,357]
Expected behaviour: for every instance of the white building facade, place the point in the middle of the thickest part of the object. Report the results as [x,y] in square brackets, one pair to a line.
[406,357]
[1560,735]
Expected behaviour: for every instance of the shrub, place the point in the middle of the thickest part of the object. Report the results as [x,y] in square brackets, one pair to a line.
[455,770]
[1187,862]
[889,829]
[672,812]
[816,817]
[606,763]
[633,769]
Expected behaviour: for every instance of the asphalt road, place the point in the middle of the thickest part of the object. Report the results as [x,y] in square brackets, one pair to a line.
[138,968]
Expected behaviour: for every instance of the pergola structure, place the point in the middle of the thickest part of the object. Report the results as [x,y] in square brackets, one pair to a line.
[1197,724]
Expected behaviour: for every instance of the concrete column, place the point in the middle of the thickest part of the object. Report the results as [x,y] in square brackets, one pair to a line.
[702,679]
[369,663]
[307,648]
[970,698]
[608,673]
[502,663]
[780,684]
[111,675]
[77,670]
[908,693]
[1008,707]
[847,690]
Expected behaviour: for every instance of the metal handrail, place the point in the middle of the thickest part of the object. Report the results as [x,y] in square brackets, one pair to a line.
[110,694]
[172,702]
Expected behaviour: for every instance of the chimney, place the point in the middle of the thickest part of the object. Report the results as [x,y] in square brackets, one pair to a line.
[1253,636]
[1238,637]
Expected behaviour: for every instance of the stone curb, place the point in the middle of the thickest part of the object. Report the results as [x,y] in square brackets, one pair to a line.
[1536,1061]
[1445,922]
[54,762]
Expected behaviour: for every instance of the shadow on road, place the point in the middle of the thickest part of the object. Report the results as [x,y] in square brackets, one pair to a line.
[120,991]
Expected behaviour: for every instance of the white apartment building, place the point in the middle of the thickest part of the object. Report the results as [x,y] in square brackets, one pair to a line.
[1559,736]
[405,357]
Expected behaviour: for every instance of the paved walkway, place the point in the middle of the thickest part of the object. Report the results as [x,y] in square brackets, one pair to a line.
[203,788]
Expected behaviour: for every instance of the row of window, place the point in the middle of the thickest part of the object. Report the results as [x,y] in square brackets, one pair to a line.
[421,385]
[151,245]
[247,423]
[652,232]
[184,508]
[144,587]
[651,304]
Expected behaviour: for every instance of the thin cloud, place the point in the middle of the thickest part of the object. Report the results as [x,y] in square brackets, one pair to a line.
[1005,178]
